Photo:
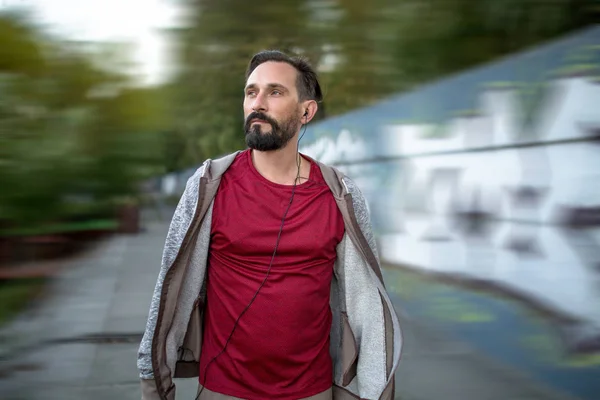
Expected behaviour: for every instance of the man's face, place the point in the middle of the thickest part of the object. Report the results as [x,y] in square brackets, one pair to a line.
[271,108]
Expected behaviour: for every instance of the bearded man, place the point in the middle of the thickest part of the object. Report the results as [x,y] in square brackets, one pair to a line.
[270,286]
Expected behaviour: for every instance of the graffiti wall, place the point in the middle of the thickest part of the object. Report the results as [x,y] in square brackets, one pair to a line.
[491,178]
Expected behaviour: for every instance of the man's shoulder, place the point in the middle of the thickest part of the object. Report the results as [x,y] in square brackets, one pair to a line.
[214,168]
[228,157]
[332,173]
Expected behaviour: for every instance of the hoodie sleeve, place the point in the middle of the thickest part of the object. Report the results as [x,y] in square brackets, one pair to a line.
[393,336]
[361,210]
[180,223]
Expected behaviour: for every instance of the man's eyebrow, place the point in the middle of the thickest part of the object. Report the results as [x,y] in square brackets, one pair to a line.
[270,86]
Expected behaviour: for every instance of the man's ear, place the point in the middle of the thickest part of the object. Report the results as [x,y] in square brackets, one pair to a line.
[310,109]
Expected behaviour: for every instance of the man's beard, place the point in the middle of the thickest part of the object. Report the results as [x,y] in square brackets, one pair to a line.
[277,138]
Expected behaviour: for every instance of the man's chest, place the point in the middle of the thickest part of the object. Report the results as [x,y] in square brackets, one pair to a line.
[247,223]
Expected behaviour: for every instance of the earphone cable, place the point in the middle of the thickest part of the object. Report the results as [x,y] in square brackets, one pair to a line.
[298,163]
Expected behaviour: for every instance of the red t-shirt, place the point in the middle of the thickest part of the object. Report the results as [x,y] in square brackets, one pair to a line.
[280,348]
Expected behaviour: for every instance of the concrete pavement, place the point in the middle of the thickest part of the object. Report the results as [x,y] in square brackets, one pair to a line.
[80,341]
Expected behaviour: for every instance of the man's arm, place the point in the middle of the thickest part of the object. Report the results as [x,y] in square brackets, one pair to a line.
[362,213]
[180,223]
[361,210]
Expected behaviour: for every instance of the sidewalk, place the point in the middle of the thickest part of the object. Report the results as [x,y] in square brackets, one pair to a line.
[434,367]
[81,340]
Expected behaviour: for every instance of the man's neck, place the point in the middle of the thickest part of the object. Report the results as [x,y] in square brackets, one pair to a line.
[281,166]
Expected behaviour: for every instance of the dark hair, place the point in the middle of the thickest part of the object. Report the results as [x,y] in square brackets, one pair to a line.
[307,82]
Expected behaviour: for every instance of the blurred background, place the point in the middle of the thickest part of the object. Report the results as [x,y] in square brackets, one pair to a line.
[471,126]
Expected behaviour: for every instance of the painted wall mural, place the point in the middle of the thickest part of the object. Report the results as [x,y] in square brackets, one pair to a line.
[491,178]
[515,203]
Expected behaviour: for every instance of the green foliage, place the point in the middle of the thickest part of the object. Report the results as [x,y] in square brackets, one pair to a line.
[16,294]
[76,135]
[73,137]
[438,37]
[364,51]
[61,228]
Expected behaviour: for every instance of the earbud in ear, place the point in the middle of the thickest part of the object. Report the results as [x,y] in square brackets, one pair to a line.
[305,113]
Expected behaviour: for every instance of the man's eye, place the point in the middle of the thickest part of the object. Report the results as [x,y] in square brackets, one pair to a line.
[250,93]
[276,92]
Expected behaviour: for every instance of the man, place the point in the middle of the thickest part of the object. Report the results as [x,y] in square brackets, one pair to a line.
[270,286]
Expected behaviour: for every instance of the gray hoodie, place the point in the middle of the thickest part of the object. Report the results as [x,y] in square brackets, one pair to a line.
[366,339]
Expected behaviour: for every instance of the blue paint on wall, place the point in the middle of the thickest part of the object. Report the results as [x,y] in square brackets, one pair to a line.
[440,100]
[505,331]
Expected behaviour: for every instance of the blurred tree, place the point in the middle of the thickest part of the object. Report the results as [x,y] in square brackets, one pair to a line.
[73,137]
[434,38]
[362,69]
[364,51]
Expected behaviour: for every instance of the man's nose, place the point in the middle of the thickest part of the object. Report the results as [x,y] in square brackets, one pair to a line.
[259,103]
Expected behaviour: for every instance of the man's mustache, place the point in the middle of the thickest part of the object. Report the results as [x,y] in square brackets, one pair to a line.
[261,116]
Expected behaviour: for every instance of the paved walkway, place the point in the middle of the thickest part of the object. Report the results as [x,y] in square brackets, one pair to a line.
[80,341]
